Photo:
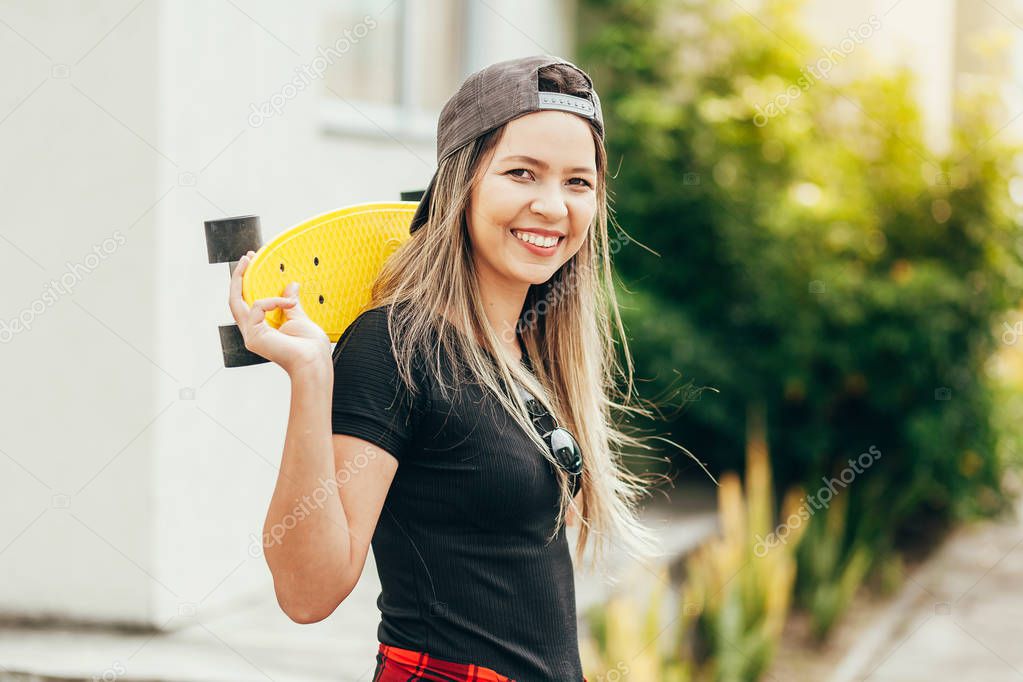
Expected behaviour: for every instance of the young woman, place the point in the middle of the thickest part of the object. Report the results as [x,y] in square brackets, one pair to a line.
[466,415]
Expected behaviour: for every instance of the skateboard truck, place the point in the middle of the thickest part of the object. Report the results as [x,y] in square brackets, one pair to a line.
[227,240]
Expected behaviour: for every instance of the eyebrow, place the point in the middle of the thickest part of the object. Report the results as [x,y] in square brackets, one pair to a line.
[541,164]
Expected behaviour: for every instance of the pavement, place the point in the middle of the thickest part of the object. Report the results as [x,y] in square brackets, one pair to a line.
[958,617]
[257,641]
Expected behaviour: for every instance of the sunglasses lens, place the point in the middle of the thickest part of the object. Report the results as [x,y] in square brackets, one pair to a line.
[566,450]
[562,443]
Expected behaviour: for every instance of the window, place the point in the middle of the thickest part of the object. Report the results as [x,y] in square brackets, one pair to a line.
[392,64]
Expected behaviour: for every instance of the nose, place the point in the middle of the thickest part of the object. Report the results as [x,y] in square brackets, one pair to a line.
[549,202]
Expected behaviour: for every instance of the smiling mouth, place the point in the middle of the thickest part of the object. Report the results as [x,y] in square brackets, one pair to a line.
[544,242]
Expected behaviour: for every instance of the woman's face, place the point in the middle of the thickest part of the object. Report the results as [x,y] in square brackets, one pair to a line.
[539,180]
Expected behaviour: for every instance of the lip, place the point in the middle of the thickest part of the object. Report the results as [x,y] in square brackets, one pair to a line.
[539,250]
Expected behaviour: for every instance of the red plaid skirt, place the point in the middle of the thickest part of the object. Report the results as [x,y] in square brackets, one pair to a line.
[405,665]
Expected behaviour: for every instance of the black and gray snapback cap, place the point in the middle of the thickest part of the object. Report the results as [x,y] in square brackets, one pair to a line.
[495,95]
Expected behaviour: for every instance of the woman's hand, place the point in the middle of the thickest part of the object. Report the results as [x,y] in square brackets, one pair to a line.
[298,342]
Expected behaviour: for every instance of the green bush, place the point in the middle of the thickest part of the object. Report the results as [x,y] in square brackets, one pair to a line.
[825,262]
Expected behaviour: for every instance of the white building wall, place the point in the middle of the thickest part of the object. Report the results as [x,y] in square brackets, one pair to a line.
[77,121]
[919,34]
[116,397]
[954,47]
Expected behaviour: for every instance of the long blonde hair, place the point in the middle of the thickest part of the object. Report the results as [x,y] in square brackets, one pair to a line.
[565,326]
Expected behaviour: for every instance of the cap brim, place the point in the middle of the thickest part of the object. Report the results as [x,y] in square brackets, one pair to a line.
[423,211]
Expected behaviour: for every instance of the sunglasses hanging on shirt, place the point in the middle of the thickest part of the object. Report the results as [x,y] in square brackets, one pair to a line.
[560,441]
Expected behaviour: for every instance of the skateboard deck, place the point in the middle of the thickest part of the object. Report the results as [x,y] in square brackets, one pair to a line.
[335,257]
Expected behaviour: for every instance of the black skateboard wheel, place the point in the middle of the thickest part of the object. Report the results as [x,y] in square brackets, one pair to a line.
[228,239]
[235,352]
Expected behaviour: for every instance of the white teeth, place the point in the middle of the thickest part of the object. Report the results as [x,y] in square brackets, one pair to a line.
[535,239]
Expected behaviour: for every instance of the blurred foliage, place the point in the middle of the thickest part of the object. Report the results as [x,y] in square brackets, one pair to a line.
[624,641]
[831,569]
[738,587]
[733,604]
[823,260]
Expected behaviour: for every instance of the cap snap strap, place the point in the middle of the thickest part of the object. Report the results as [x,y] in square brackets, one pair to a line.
[558,100]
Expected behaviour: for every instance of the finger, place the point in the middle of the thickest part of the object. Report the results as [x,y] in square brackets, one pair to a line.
[268,304]
[235,302]
[296,311]
[263,305]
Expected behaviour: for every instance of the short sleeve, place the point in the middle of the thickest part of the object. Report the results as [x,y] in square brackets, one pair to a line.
[370,400]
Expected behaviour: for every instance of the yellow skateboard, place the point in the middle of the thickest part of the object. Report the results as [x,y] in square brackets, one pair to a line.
[335,257]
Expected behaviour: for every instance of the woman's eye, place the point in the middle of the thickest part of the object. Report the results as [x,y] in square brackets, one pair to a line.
[584,181]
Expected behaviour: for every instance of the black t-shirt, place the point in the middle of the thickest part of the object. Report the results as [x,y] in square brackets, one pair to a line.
[465,571]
